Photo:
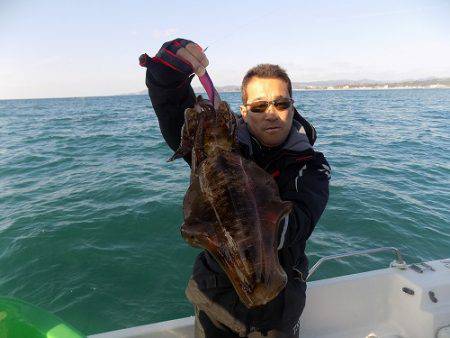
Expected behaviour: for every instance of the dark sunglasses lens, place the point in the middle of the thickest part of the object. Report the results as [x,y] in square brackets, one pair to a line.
[282,104]
[259,107]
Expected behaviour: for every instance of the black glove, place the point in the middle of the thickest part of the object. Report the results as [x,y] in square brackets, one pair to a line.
[167,55]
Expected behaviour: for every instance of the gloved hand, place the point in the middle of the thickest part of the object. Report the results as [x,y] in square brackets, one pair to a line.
[182,55]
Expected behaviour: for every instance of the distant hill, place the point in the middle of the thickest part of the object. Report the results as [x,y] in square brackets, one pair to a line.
[344,84]
[371,84]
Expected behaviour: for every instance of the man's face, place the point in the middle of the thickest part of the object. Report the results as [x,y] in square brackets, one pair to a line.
[271,127]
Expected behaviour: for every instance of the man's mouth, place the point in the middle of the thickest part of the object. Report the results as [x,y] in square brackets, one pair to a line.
[272,129]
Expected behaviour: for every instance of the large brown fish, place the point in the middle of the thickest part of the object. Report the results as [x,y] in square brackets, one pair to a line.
[232,207]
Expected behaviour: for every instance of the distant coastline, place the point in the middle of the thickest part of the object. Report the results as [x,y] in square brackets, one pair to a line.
[433,83]
[430,83]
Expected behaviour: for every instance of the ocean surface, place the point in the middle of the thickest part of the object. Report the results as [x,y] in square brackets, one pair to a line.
[90,210]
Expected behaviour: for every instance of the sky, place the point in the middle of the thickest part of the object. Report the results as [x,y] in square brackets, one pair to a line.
[64,48]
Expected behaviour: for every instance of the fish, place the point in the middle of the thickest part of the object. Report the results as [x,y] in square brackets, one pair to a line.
[232,207]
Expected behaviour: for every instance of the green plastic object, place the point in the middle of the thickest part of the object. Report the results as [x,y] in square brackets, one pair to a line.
[19,319]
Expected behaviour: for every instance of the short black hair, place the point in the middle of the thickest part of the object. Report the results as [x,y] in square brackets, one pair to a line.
[265,71]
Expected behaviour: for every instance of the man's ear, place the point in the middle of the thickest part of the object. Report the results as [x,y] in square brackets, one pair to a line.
[243,112]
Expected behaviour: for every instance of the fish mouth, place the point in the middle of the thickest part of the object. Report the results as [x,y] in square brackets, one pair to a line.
[254,290]
[263,295]
[262,292]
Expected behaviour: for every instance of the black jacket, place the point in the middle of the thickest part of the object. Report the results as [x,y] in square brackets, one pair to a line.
[302,175]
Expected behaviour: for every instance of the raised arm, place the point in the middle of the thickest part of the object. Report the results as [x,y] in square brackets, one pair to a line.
[168,80]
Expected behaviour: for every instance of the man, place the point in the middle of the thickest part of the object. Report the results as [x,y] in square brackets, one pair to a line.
[273,134]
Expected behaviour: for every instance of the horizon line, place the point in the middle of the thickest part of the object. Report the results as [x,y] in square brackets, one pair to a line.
[232,91]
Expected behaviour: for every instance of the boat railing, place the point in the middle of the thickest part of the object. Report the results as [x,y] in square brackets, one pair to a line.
[399,262]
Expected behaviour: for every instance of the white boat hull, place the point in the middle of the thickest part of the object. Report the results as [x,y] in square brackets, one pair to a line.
[375,304]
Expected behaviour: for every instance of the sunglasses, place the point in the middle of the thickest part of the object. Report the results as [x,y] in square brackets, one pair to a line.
[280,104]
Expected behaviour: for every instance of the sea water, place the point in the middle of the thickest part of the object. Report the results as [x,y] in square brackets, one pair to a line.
[90,210]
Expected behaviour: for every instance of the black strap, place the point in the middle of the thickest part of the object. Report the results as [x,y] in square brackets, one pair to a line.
[309,128]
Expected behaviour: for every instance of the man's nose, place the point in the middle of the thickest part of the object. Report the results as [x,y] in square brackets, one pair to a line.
[271,112]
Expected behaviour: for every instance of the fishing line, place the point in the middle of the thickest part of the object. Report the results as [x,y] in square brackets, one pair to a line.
[247,23]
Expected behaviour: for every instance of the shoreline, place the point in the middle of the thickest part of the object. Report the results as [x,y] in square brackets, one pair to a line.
[369,88]
[338,89]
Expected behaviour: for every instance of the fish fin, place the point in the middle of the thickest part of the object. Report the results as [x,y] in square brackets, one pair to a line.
[198,228]
[195,206]
[224,106]
[181,152]
[275,211]
[200,234]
